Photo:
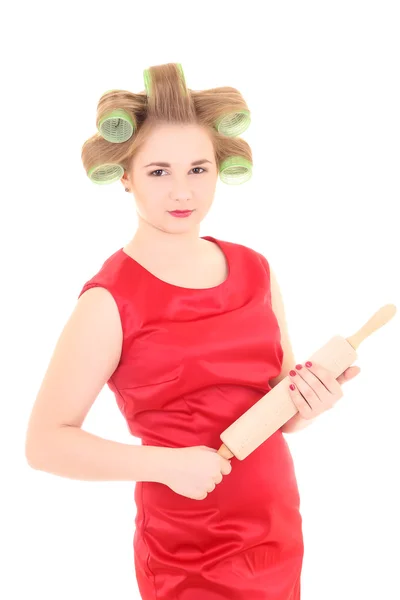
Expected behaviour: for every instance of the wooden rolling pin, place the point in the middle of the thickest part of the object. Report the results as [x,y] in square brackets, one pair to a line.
[275,408]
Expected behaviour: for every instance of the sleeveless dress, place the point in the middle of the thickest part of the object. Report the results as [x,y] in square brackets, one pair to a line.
[192,362]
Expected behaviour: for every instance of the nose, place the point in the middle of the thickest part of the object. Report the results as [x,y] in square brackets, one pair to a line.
[180,191]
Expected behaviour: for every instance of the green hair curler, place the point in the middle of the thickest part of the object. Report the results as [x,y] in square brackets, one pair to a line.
[233,124]
[235,170]
[116,126]
[147,79]
[106,173]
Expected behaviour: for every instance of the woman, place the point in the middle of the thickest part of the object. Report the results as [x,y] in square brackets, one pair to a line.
[188,332]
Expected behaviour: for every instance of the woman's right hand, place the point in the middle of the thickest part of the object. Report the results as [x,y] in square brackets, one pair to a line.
[193,472]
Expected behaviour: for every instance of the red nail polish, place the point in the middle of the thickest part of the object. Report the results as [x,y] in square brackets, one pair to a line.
[292,387]
[292,373]
[308,364]
[299,367]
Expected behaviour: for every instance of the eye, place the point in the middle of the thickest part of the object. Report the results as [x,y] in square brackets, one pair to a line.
[161,170]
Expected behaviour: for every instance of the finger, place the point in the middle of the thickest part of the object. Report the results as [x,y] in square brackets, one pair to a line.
[350,373]
[324,376]
[305,390]
[300,403]
[307,376]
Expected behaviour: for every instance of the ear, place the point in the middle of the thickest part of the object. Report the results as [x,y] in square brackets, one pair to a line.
[124,179]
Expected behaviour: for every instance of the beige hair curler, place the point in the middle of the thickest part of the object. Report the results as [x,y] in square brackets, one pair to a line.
[274,409]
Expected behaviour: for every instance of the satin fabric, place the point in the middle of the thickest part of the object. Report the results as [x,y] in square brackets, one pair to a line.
[193,361]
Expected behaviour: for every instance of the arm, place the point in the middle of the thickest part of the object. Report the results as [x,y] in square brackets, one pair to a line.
[85,357]
[69,451]
[296,423]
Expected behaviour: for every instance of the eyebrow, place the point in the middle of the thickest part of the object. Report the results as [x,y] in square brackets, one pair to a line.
[165,164]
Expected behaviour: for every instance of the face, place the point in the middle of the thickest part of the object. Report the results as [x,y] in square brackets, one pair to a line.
[158,189]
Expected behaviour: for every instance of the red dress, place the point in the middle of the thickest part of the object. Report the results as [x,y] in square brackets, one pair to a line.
[193,361]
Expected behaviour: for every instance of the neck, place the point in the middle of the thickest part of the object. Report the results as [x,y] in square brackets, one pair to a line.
[156,242]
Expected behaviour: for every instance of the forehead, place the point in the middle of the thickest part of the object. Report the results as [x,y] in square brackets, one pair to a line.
[176,140]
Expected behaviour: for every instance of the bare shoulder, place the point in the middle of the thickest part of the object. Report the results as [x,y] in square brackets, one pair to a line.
[86,354]
[279,311]
[97,318]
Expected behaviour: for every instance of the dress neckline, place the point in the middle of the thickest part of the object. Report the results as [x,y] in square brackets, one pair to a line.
[179,287]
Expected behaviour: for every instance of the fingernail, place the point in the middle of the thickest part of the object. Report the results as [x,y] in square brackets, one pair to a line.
[298,367]
[292,373]
[308,364]
[292,387]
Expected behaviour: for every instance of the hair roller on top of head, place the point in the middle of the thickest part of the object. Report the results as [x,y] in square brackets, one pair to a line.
[147,80]
[124,118]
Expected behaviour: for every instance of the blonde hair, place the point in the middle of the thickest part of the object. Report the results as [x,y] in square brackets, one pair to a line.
[167,100]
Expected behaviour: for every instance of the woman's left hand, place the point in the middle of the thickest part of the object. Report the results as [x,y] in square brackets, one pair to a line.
[316,388]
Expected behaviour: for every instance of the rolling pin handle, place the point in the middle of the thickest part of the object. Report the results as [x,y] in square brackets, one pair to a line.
[225,452]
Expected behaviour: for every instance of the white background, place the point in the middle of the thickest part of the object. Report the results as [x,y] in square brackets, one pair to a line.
[322,83]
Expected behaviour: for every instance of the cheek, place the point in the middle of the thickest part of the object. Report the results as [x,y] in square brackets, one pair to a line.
[205,187]
[150,209]
[149,198]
